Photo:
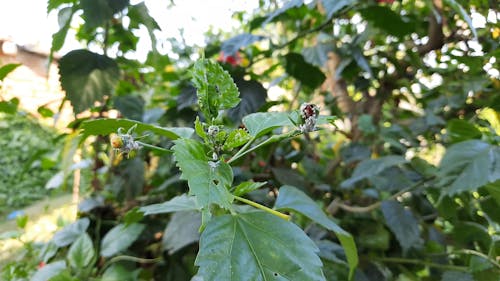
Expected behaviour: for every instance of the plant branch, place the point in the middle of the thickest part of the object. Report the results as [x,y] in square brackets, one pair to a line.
[262,207]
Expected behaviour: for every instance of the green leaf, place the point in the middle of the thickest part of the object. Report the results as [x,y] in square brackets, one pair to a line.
[260,123]
[333,6]
[107,126]
[360,60]
[8,68]
[384,18]
[21,221]
[82,252]
[469,165]
[253,96]
[257,246]
[291,198]
[457,276]
[236,138]
[87,77]
[54,4]
[215,88]
[208,181]
[132,216]
[117,272]
[318,54]
[64,17]
[308,74]
[139,14]
[463,13]
[403,224]
[120,238]
[233,44]
[48,271]
[98,12]
[461,130]
[371,167]
[131,107]
[179,203]
[288,5]
[181,231]
[71,232]
[9,107]
[247,186]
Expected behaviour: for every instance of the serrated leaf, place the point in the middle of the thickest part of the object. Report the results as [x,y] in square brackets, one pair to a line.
[71,232]
[107,126]
[371,167]
[215,88]
[8,68]
[457,276]
[232,45]
[260,123]
[208,181]
[48,271]
[120,238]
[181,231]
[87,77]
[308,74]
[81,252]
[247,186]
[387,20]
[236,138]
[290,198]
[469,165]
[179,203]
[463,13]
[403,224]
[257,246]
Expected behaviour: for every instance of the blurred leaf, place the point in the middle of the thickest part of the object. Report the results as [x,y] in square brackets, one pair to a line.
[371,167]
[318,54]
[333,6]
[117,272]
[288,176]
[403,224]
[365,124]
[461,130]
[234,44]
[249,244]
[132,216]
[208,181]
[181,231]
[131,107]
[48,271]
[9,107]
[71,232]
[139,14]
[87,77]
[247,186]
[64,18]
[290,198]
[253,96]
[215,88]
[385,19]
[187,98]
[98,12]
[53,4]
[308,74]
[8,68]
[260,123]
[288,5]
[107,126]
[120,238]
[45,112]
[179,203]
[21,221]
[361,61]
[463,13]
[81,252]
[456,276]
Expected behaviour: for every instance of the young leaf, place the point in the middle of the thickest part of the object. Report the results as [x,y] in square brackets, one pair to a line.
[236,138]
[81,253]
[215,88]
[179,203]
[371,167]
[290,198]
[257,246]
[120,238]
[87,77]
[403,224]
[71,232]
[260,123]
[207,180]
[8,68]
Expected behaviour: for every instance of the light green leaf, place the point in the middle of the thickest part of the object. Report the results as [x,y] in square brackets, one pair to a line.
[107,126]
[403,224]
[181,231]
[8,68]
[120,238]
[291,198]
[71,232]
[247,186]
[208,181]
[469,165]
[236,138]
[179,203]
[260,123]
[87,77]
[82,252]
[371,167]
[48,271]
[463,13]
[257,246]
[460,130]
[215,88]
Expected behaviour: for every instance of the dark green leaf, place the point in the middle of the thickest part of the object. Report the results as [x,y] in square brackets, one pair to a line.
[87,77]
[360,60]
[117,272]
[215,88]
[257,246]
[181,231]
[131,107]
[232,45]
[98,12]
[308,74]
[260,123]
[456,276]
[9,107]
[384,18]
[120,238]
[236,138]
[253,96]
[81,252]
[208,181]
[64,17]
[8,68]
[461,130]
[53,4]
[139,14]
[247,186]
[107,126]
[290,198]
[288,5]
[371,167]
[48,271]
[403,224]
[179,203]
[71,232]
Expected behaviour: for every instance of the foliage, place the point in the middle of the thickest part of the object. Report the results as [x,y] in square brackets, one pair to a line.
[401,184]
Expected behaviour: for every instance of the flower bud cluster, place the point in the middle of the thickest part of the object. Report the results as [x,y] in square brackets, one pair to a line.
[309,113]
[125,143]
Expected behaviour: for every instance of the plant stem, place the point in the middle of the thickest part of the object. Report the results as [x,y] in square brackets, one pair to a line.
[262,207]
[153,147]
[420,262]
[238,154]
